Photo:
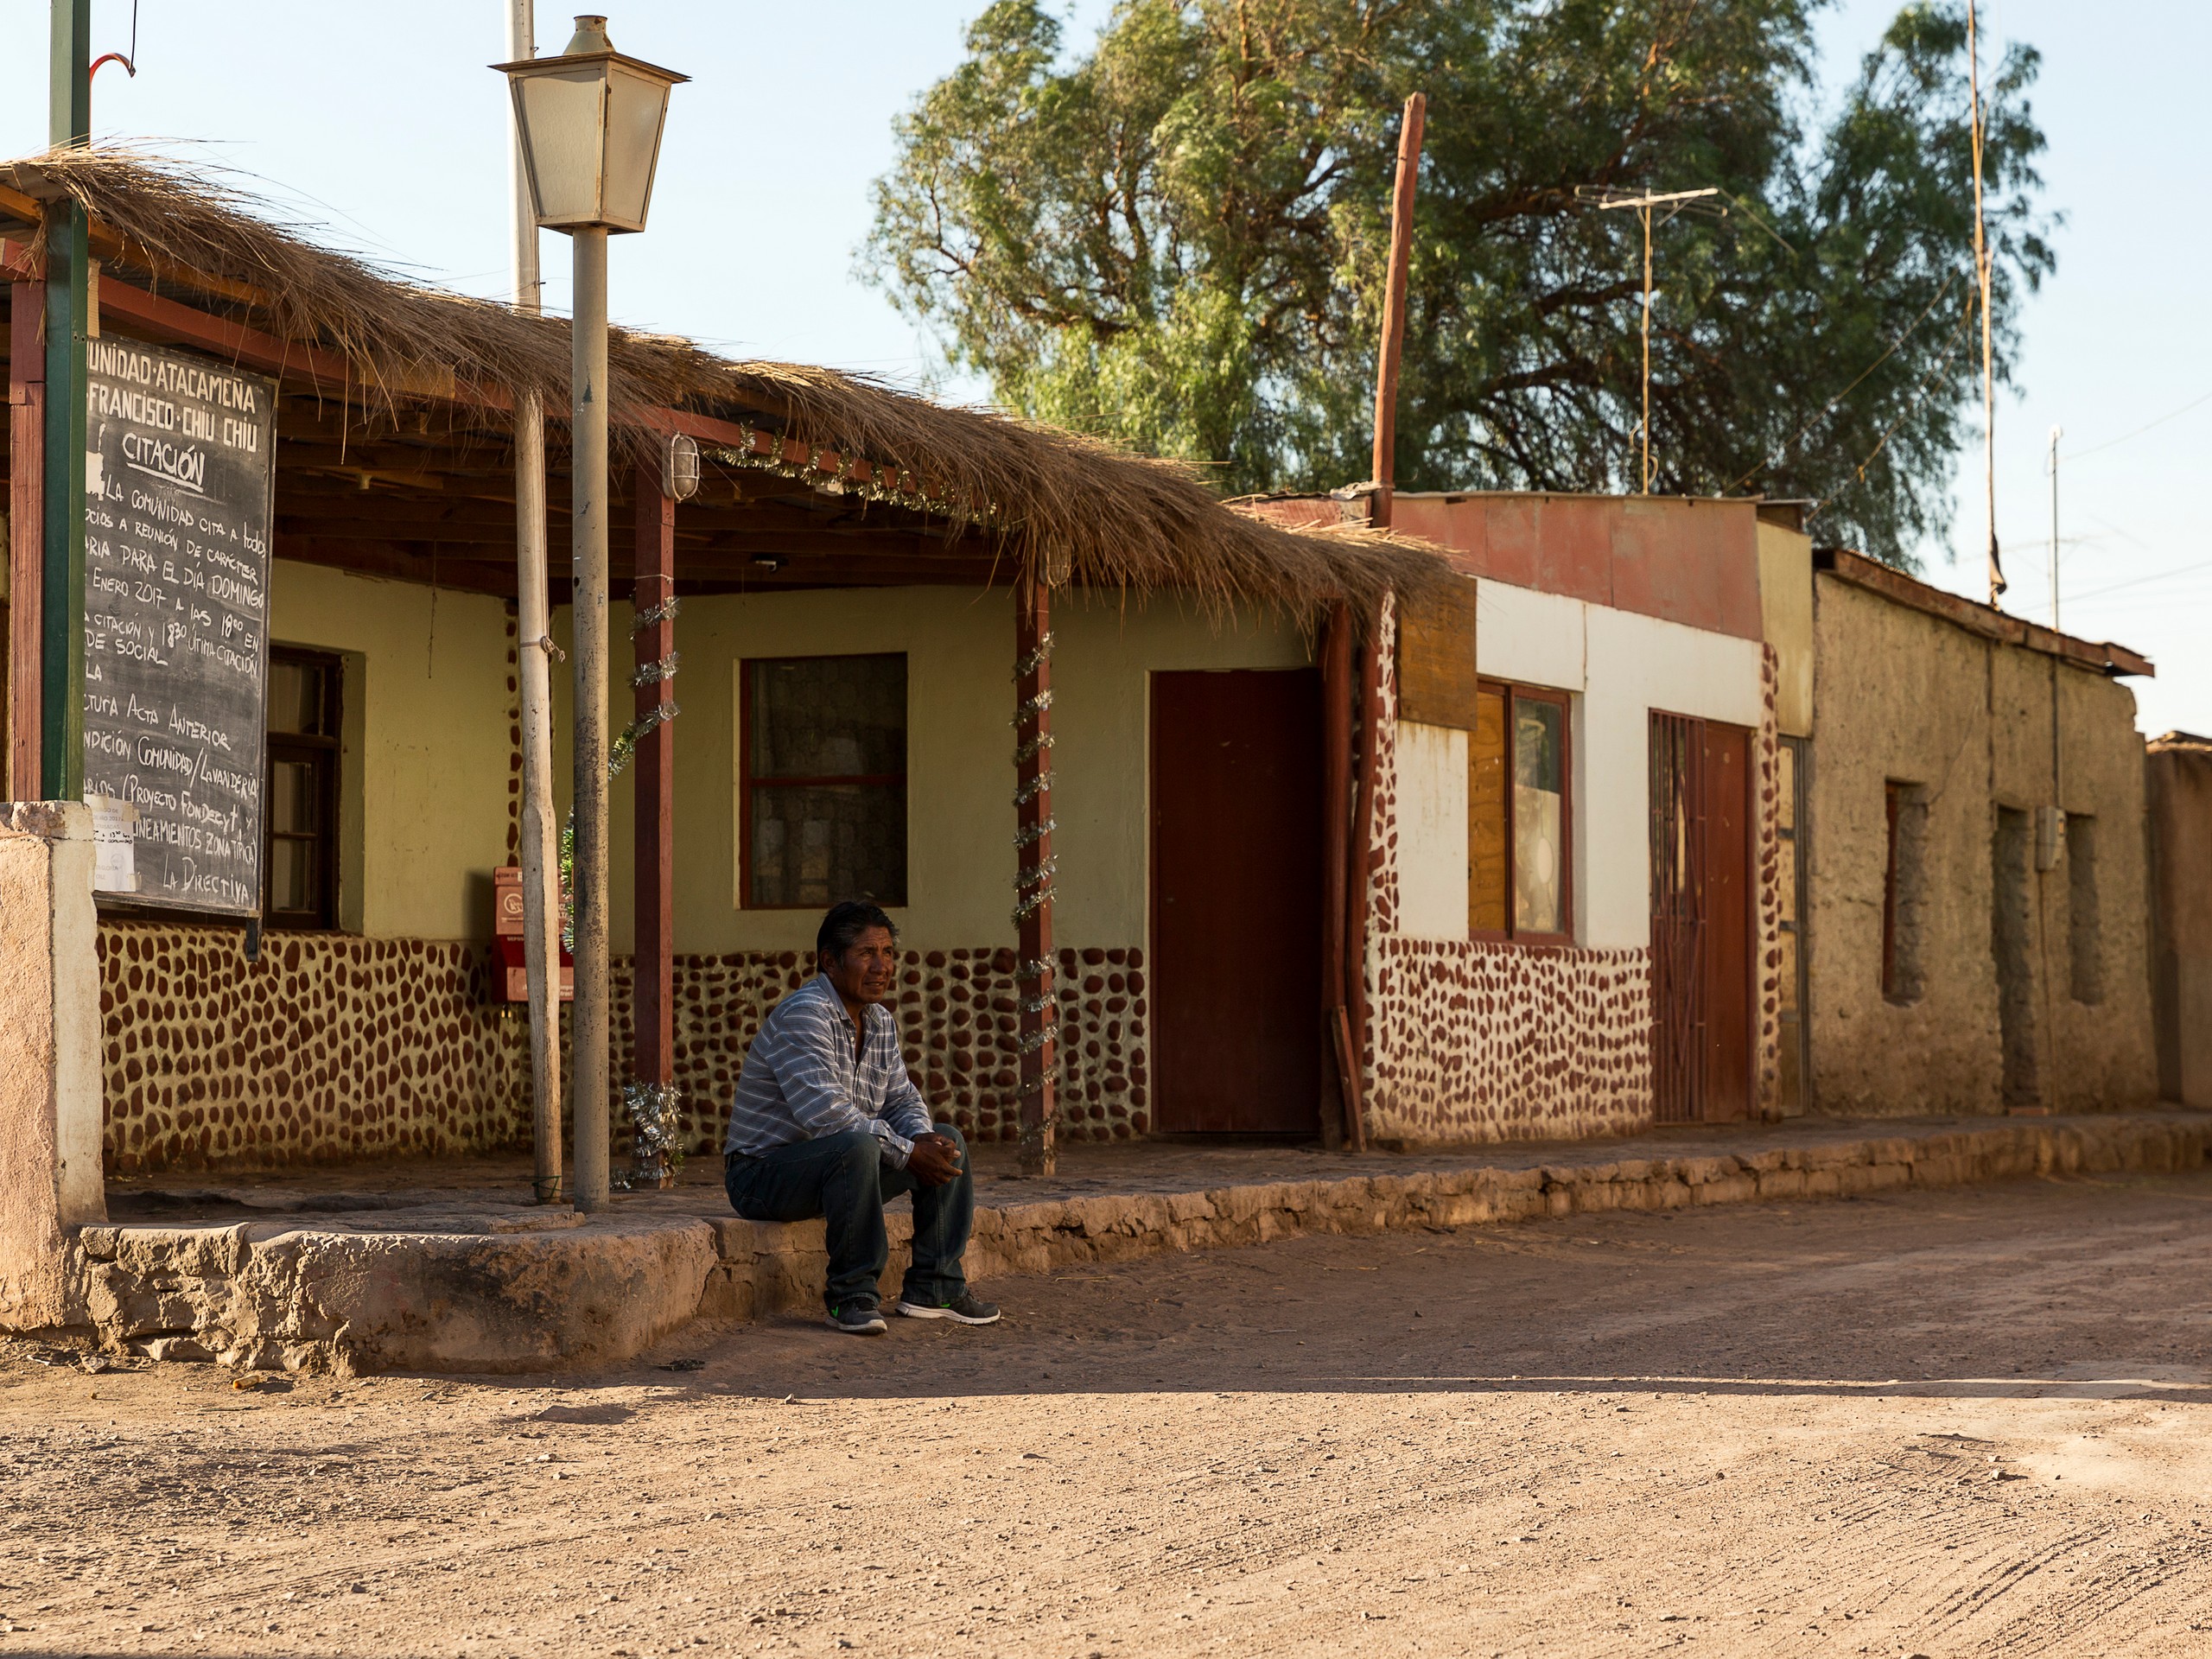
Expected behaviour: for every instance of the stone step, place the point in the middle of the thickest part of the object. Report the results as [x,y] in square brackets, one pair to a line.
[519,1290]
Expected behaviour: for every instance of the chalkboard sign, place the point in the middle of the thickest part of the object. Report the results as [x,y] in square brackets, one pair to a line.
[178,489]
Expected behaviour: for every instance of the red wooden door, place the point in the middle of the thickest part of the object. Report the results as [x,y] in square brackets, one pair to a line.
[1235,890]
[1701,919]
[1727,923]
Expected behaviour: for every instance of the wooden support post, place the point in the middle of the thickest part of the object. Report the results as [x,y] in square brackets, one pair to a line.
[1360,870]
[1033,910]
[541,834]
[653,967]
[1336,843]
[68,318]
[26,536]
[61,593]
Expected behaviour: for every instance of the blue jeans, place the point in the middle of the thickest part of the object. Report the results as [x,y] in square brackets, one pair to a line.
[844,1179]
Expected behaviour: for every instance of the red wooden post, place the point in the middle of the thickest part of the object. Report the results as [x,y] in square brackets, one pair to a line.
[1360,869]
[1032,885]
[1336,842]
[653,967]
[25,536]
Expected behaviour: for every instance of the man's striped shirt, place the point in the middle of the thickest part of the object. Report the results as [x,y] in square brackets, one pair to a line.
[801,1079]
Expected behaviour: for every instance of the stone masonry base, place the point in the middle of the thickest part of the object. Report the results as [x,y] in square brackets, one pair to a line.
[525,1290]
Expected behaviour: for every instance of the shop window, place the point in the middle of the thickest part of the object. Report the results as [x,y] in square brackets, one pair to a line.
[299,862]
[824,801]
[1905,892]
[2085,930]
[1519,817]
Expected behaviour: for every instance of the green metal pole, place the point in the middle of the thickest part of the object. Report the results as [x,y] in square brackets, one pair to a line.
[68,294]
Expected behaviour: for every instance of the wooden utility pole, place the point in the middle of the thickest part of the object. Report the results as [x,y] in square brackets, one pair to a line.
[1032,883]
[1346,1035]
[1410,131]
[541,856]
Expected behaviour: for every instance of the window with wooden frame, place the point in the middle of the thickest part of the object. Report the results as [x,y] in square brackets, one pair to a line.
[823,800]
[1520,816]
[299,864]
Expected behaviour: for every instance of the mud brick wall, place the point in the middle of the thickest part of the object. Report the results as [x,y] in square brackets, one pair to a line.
[333,1048]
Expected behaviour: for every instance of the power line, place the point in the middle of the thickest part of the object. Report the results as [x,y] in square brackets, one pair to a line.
[2109,443]
[2136,582]
[1920,392]
[1830,408]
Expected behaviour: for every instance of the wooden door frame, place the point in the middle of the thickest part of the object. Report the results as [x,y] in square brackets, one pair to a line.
[1702,726]
[1751,942]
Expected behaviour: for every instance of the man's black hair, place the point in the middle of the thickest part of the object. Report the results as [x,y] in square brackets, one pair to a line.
[844,924]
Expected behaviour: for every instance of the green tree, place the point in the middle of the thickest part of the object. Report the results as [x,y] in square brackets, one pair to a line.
[1178,240]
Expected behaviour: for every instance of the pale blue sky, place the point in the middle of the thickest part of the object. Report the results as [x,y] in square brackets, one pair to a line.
[381,123]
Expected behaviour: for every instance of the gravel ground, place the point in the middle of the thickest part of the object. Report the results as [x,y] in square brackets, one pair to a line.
[1944,1423]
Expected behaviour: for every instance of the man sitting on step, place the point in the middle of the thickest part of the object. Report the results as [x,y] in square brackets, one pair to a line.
[826,1122]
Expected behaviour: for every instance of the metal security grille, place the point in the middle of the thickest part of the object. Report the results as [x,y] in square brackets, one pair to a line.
[1678,905]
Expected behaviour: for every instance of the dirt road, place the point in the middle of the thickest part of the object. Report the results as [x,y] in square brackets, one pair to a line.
[1950,1423]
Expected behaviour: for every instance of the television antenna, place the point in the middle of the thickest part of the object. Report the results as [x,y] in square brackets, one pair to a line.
[1645,202]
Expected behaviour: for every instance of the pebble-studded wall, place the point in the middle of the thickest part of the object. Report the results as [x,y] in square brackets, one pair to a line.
[332,1046]
[1481,1041]
[1767,862]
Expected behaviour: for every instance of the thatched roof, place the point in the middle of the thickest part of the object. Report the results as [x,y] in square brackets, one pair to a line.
[1077,509]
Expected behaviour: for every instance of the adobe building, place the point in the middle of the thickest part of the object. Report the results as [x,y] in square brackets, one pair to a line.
[825,639]
[1580,914]
[1539,816]
[1980,904]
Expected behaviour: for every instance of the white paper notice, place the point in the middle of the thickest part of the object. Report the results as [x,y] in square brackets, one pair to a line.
[115,841]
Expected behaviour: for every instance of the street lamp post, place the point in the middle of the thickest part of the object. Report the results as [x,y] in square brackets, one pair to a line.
[591,124]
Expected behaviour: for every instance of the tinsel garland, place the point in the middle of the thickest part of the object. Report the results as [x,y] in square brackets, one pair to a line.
[900,491]
[620,753]
[657,1132]
[1033,880]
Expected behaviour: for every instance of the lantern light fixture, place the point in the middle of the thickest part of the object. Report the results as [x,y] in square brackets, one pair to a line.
[679,467]
[591,124]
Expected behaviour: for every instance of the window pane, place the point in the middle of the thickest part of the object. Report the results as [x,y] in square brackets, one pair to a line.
[817,845]
[830,717]
[1486,863]
[1785,783]
[1539,818]
[292,798]
[296,697]
[292,885]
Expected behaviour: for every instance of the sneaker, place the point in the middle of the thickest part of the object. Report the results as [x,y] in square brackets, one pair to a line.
[968,1310]
[858,1319]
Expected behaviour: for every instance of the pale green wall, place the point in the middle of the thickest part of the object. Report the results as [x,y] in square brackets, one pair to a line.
[427,757]
[959,646]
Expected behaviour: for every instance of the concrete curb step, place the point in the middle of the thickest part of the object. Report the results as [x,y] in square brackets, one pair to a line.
[417,1291]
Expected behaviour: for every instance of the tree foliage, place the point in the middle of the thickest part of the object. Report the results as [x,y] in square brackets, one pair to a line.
[1177,240]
